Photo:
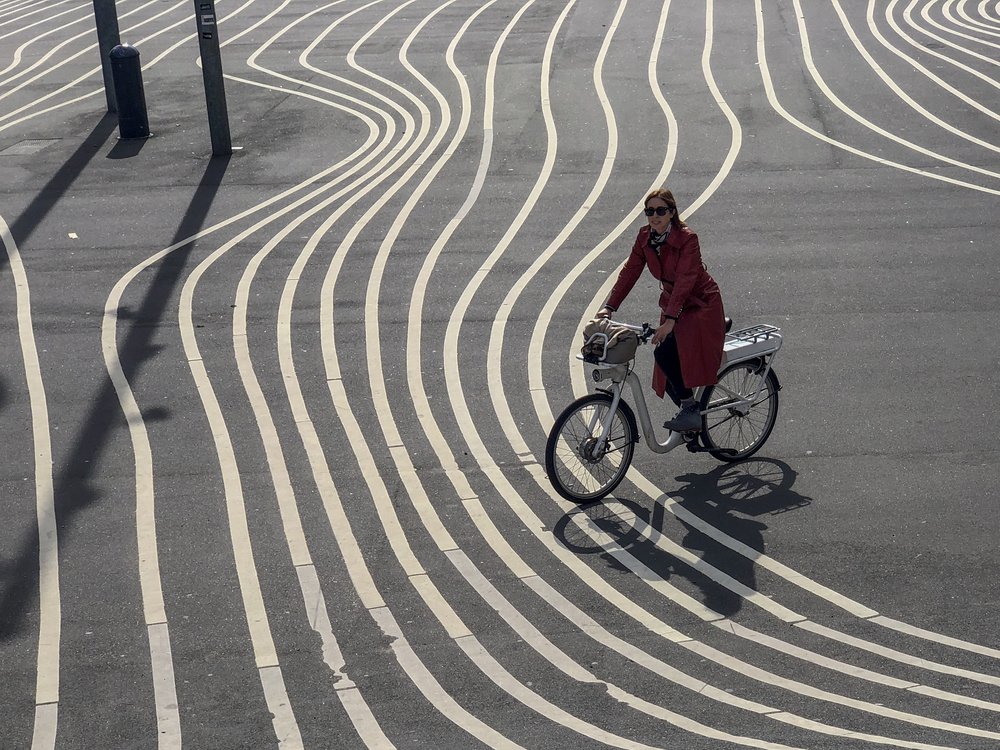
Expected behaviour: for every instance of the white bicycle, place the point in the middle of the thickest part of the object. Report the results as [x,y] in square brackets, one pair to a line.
[591,444]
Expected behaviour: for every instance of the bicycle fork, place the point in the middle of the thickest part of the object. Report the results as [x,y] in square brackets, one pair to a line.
[597,450]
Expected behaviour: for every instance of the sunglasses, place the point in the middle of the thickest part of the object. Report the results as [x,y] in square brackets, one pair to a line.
[659,211]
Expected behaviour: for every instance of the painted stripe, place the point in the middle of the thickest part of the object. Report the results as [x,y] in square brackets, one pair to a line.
[779,611]
[891,20]
[493,367]
[991,15]
[758,558]
[650,577]
[832,97]
[814,726]
[431,595]
[925,14]
[168,722]
[432,689]
[972,24]
[350,696]
[46,20]
[890,653]
[903,627]
[777,106]
[43,736]
[67,59]
[801,688]
[411,664]
[149,569]
[509,684]
[896,89]
[286,729]
[49,604]
[94,71]
[785,647]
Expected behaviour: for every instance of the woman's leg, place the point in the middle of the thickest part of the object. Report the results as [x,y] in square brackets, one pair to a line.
[689,416]
[669,360]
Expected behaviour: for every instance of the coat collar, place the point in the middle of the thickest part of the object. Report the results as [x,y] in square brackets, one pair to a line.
[674,239]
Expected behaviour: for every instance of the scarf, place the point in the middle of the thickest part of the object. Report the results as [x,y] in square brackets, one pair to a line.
[656,240]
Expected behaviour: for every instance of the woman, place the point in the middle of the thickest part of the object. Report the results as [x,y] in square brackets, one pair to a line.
[692,320]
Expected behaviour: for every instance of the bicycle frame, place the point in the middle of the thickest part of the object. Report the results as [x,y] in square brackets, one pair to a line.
[760,342]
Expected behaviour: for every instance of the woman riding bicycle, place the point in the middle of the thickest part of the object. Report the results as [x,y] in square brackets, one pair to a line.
[692,328]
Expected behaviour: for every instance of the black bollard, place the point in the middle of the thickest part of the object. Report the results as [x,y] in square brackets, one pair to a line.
[127,74]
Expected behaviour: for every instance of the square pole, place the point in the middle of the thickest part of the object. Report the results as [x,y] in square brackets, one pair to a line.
[106,17]
[211,69]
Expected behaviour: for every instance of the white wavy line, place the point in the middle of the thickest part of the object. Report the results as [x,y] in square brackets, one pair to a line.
[536,388]
[449,618]
[687,517]
[972,25]
[429,517]
[925,14]
[506,491]
[894,87]
[821,83]
[149,572]
[340,525]
[94,71]
[432,522]
[12,8]
[265,654]
[351,698]
[49,605]
[890,19]
[776,105]
[266,657]
[64,60]
[47,19]
[983,10]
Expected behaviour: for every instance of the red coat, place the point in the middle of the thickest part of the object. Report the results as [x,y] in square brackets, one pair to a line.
[689,294]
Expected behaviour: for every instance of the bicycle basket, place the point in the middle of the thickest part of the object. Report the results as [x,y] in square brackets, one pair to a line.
[606,341]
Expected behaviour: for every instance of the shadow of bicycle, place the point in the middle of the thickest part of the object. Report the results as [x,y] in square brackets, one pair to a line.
[714,510]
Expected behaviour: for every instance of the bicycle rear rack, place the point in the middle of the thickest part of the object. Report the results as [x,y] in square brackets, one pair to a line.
[755,341]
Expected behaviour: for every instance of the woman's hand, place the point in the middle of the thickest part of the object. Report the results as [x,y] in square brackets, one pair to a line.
[663,331]
[604,312]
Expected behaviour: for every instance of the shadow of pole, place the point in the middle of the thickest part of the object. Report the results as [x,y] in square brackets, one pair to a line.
[73,488]
[52,192]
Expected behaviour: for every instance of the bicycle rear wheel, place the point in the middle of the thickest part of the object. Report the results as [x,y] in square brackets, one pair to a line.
[743,417]
[574,470]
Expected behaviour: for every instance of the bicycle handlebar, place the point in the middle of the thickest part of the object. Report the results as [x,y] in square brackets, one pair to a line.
[645,331]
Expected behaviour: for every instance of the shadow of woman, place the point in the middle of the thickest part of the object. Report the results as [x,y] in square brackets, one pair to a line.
[731,499]
[726,502]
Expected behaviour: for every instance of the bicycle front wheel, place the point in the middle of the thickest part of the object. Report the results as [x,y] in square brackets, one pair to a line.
[742,411]
[578,468]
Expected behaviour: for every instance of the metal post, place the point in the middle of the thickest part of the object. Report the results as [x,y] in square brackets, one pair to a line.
[106,17]
[211,69]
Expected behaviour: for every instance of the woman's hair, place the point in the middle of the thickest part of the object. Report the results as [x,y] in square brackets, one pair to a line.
[667,197]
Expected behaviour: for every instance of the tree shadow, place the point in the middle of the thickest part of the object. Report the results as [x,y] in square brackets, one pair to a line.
[73,483]
[727,502]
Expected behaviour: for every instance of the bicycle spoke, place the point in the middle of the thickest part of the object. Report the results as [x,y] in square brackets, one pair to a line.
[740,418]
[577,473]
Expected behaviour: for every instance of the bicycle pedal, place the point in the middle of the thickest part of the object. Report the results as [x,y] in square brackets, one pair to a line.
[691,442]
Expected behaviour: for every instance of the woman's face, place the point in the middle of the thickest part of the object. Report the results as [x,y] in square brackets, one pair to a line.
[659,224]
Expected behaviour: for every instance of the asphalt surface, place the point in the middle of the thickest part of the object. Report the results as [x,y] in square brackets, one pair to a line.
[274,423]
